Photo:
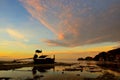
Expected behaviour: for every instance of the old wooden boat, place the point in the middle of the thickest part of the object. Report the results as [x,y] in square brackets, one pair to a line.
[43,59]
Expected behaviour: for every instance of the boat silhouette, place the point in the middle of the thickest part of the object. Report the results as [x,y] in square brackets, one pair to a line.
[43,59]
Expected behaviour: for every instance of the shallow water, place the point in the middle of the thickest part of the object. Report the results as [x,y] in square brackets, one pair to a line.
[88,70]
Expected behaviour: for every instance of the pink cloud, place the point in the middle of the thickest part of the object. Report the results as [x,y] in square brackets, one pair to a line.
[73,25]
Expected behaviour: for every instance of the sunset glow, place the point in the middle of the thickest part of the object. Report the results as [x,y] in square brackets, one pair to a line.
[74,28]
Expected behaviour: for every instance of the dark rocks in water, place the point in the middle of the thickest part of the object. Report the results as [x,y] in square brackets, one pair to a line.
[78,74]
[5,78]
[36,77]
[107,76]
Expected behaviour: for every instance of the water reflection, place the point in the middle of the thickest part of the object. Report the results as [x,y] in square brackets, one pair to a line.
[40,69]
[45,72]
[110,65]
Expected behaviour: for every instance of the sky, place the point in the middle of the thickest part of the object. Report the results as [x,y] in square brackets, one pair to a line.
[67,28]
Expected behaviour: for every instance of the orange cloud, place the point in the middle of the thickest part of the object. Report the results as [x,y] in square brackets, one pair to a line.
[38,11]
[61,36]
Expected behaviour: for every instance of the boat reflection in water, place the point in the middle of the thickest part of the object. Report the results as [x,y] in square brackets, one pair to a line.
[41,69]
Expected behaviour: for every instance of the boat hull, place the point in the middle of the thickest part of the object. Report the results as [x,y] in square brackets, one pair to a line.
[44,61]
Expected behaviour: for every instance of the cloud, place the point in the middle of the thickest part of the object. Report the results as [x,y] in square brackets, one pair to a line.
[19,39]
[77,22]
[15,34]
[6,43]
